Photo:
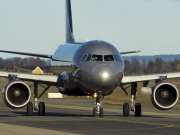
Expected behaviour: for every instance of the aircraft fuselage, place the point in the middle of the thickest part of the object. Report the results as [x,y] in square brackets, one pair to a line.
[92,66]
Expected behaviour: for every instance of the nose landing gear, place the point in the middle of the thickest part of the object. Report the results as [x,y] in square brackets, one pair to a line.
[98,111]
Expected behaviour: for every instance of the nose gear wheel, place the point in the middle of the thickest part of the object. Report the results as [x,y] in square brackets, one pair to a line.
[98,111]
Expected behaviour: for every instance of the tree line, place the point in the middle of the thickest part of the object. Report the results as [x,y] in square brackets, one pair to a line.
[132,67]
[12,64]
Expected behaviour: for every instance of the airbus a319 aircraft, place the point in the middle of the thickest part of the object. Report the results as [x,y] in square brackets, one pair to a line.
[94,68]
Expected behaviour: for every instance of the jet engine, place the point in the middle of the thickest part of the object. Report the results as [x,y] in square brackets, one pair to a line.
[164,95]
[16,94]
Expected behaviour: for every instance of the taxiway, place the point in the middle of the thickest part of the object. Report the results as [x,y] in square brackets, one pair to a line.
[74,116]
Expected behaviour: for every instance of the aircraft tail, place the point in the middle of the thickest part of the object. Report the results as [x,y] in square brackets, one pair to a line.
[69,25]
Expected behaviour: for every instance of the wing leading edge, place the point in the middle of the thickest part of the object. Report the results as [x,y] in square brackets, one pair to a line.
[142,78]
[130,52]
[46,79]
[34,54]
[29,54]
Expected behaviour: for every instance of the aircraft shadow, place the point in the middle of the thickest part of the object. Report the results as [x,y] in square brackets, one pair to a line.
[61,114]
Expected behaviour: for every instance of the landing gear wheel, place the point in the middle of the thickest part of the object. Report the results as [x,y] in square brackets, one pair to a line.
[101,112]
[30,109]
[94,112]
[41,109]
[138,110]
[126,110]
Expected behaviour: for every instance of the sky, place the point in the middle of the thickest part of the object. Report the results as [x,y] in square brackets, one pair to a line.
[38,26]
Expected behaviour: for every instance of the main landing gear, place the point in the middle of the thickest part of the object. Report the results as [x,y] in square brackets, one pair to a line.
[133,107]
[37,106]
[98,111]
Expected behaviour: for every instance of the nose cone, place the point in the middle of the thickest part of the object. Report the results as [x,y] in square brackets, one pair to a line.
[99,77]
[104,78]
[103,72]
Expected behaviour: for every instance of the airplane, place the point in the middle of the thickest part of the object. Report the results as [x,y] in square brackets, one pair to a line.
[93,68]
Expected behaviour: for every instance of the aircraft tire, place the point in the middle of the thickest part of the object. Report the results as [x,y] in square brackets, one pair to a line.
[126,110]
[138,110]
[101,112]
[41,109]
[94,112]
[29,109]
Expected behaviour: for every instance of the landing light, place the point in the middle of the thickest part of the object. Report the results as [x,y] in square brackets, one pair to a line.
[105,75]
[95,95]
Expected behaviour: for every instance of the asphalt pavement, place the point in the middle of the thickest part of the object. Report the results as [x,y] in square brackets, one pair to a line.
[74,116]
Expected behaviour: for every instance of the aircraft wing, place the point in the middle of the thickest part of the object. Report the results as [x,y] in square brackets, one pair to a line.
[29,54]
[46,79]
[143,78]
[130,52]
[34,54]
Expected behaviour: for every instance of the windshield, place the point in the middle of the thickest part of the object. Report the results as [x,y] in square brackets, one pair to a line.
[84,58]
[108,58]
[95,57]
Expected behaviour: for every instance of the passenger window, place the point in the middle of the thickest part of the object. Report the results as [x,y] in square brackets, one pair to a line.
[97,58]
[84,58]
[108,58]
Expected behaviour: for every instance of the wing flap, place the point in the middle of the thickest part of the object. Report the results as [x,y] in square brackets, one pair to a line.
[142,78]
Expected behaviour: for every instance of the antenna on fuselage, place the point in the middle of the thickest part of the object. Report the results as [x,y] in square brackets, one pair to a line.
[69,24]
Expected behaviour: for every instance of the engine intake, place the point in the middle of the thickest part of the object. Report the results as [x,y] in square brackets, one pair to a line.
[16,94]
[164,95]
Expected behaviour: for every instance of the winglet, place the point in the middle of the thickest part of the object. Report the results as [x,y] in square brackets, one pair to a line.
[69,24]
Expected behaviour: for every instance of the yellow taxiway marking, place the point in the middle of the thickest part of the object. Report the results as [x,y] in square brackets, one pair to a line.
[152,125]
[111,110]
[141,122]
[122,129]
[156,125]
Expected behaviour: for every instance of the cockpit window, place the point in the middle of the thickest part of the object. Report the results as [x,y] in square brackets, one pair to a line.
[97,58]
[117,58]
[94,57]
[108,58]
[84,58]
[88,58]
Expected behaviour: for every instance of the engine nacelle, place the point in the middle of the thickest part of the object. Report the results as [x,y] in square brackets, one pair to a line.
[16,94]
[164,95]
